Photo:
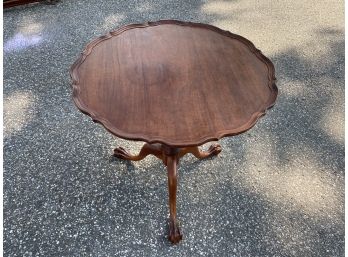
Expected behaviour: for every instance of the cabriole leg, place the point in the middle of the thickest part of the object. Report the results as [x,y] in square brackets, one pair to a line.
[154,149]
[214,149]
[174,232]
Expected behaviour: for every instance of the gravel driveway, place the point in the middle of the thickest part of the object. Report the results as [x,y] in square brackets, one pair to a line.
[277,190]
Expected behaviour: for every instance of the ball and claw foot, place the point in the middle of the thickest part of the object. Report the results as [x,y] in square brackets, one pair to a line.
[175,235]
[214,149]
[121,153]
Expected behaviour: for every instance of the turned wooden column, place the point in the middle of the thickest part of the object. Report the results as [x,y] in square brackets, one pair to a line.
[174,231]
[172,160]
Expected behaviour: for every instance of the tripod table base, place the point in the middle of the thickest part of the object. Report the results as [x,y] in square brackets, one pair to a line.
[170,157]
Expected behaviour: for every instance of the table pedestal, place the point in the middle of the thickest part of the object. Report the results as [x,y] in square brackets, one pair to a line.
[170,157]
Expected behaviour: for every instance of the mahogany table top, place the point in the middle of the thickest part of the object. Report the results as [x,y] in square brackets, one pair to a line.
[171,82]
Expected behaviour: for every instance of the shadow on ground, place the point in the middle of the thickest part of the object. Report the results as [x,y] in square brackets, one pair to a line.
[276,190]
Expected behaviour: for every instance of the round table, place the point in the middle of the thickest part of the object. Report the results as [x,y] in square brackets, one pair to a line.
[174,85]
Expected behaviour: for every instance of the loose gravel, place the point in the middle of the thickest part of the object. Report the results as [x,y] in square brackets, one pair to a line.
[277,190]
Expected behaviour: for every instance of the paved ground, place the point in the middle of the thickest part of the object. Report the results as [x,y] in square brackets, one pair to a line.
[277,190]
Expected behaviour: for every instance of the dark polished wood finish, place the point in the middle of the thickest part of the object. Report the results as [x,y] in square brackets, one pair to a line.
[177,83]
[174,85]
[154,149]
[174,231]
[170,157]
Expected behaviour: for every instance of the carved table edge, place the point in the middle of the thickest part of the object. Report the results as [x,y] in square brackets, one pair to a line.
[151,140]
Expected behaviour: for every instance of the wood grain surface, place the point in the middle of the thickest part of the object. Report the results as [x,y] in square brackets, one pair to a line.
[176,83]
